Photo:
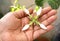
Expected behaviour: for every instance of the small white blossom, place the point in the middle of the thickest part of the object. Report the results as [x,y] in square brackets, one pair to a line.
[39,11]
[26,11]
[25,27]
[43,26]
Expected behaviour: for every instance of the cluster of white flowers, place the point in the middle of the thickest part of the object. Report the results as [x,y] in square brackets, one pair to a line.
[38,13]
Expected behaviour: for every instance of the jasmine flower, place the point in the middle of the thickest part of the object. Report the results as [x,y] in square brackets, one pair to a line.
[26,11]
[25,27]
[39,11]
[42,26]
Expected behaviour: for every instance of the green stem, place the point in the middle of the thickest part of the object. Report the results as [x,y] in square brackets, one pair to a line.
[37,22]
[15,2]
[31,22]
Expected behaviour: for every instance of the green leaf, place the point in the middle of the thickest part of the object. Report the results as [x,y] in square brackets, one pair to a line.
[54,3]
[37,22]
[58,1]
[39,2]
[31,22]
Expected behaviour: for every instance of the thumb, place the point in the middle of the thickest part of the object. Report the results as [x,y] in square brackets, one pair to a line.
[20,14]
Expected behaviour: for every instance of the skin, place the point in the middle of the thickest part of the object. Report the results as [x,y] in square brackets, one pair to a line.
[12,23]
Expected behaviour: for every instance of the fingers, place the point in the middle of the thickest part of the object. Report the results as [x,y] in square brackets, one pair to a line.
[46,19]
[49,14]
[20,14]
[49,20]
[30,10]
[46,22]
[46,10]
[38,33]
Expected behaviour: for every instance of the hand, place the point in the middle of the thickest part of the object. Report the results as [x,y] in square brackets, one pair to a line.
[12,23]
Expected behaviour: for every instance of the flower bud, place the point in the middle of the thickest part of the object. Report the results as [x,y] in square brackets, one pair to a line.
[25,27]
[26,11]
[39,11]
[43,26]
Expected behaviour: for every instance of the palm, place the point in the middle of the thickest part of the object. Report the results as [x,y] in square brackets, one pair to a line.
[13,32]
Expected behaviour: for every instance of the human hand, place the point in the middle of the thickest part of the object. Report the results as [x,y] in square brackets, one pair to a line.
[12,23]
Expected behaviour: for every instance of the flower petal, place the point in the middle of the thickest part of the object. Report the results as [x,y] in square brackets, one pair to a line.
[26,11]
[25,27]
[39,11]
[43,26]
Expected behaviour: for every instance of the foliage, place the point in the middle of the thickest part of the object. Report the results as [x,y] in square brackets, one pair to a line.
[39,2]
[53,3]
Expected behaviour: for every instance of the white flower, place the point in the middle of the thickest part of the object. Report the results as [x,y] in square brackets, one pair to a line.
[39,11]
[43,26]
[26,11]
[25,27]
